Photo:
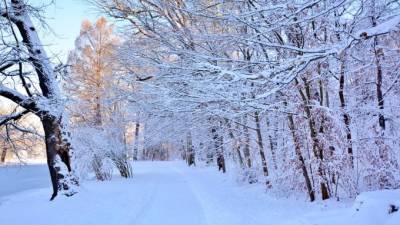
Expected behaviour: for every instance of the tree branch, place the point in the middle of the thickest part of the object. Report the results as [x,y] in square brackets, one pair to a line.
[15,117]
[6,66]
[143,79]
[18,98]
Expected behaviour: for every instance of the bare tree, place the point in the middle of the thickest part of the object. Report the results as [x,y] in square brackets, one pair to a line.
[46,103]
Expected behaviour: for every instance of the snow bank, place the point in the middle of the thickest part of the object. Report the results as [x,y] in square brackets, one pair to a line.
[377,207]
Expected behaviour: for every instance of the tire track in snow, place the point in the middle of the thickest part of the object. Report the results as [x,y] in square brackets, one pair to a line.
[196,195]
[214,209]
[215,212]
[148,201]
[173,202]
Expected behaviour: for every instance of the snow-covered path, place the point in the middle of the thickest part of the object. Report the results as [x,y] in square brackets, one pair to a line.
[161,193]
[166,193]
[170,201]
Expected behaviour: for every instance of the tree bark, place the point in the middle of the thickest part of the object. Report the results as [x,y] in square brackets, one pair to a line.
[98,118]
[218,148]
[56,146]
[190,158]
[246,150]
[3,155]
[220,156]
[260,144]
[236,144]
[303,166]
[346,117]
[272,144]
[136,144]
[317,149]
[378,52]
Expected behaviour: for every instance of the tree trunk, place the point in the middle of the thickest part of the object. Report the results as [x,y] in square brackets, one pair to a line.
[317,149]
[190,159]
[218,148]
[260,144]
[272,144]
[57,146]
[238,152]
[383,148]
[346,117]
[303,166]
[98,120]
[220,156]
[3,155]
[136,144]
[236,144]
[246,150]
[378,52]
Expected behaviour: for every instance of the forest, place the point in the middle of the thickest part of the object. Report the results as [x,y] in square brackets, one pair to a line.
[298,98]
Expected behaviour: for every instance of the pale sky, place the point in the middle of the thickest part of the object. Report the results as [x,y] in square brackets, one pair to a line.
[64,17]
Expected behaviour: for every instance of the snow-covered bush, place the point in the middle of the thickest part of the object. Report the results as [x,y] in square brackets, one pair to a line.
[91,153]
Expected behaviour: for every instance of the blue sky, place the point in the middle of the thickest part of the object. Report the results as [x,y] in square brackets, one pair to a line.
[64,17]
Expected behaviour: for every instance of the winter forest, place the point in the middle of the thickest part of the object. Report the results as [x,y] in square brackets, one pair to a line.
[209,112]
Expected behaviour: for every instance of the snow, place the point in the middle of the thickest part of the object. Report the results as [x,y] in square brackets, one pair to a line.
[171,193]
[17,178]
[374,208]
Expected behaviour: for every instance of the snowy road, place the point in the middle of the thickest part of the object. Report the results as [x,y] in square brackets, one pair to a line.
[161,193]
[167,193]
[171,201]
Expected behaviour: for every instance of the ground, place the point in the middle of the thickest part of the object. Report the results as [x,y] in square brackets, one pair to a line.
[170,193]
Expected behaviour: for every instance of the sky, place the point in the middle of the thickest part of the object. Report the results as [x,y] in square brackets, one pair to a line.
[64,18]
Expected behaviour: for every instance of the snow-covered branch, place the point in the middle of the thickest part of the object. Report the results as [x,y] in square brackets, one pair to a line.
[12,117]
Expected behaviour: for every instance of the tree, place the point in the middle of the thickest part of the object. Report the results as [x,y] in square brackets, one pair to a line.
[92,70]
[307,76]
[44,100]
[92,83]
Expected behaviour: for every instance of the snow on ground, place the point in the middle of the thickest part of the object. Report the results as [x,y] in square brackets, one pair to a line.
[16,178]
[170,193]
